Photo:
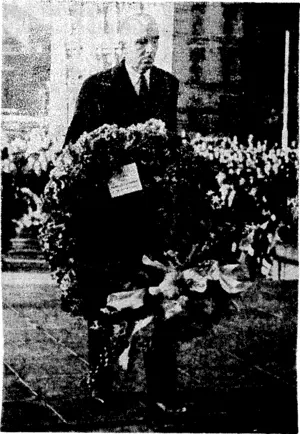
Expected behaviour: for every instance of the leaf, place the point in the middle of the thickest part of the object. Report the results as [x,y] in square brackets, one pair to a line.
[198,282]
[168,287]
[156,264]
[232,285]
[173,307]
[124,357]
[126,299]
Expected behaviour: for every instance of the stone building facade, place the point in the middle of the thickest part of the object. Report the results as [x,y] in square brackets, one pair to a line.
[229,58]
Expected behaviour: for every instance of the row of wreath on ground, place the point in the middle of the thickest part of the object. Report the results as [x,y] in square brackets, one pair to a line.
[231,199]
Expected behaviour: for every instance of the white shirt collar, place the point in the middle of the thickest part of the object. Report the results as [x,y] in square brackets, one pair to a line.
[135,77]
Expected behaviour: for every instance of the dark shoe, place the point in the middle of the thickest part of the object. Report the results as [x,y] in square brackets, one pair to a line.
[171,409]
[160,411]
[98,397]
[100,400]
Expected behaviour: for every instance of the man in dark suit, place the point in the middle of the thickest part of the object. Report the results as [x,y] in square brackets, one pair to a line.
[132,92]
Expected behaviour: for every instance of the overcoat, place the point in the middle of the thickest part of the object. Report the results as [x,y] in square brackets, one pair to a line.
[113,233]
[109,97]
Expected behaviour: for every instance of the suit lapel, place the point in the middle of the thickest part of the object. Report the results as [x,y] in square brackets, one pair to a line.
[123,83]
[157,87]
[125,105]
[157,91]
[155,81]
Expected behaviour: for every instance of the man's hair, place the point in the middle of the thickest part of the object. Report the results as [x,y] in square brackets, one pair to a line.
[135,19]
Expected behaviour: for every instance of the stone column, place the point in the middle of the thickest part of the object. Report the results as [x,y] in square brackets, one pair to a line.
[183,27]
[58,114]
[197,56]
[209,77]
[207,48]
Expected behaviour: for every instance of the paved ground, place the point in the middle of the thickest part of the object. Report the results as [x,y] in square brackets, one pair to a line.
[240,377]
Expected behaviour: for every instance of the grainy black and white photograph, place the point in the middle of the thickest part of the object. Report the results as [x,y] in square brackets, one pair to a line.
[149,218]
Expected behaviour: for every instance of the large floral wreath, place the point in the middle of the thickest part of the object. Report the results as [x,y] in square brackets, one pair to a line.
[186,253]
[84,169]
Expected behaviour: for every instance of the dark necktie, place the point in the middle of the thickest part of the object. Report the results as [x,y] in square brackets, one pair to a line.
[143,93]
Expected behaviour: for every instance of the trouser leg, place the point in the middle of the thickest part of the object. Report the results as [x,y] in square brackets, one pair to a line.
[100,359]
[161,364]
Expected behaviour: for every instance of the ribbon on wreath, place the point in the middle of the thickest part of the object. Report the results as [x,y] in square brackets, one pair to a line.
[173,296]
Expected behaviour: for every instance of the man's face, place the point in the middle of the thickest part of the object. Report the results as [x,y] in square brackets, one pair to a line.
[141,46]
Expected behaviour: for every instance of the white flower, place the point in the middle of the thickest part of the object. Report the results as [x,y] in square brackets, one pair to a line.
[250,250]
[5,166]
[4,140]
[37,167]
[231,197]
[17,145]
[240,156]
[259,173]
[43,161]
[224,190]
[258,147]
[267,168]
[215,200]
[12,167]
[275,167]
[220,177]
[250,139]
[253,191]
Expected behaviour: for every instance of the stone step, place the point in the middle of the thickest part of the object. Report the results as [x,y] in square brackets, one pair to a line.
[286,253]
[25,243]
[24,264]
[25,253]
[284,271]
